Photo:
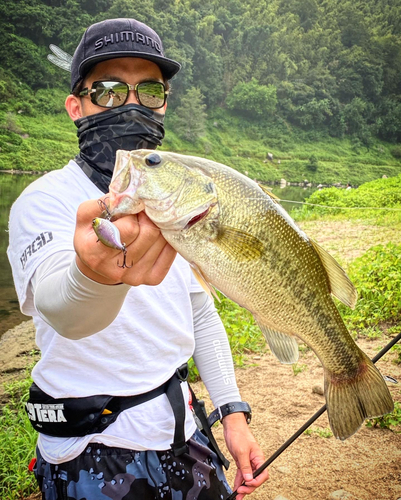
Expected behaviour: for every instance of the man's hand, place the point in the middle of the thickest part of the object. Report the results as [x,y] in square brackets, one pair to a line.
[147,251]
[246,452]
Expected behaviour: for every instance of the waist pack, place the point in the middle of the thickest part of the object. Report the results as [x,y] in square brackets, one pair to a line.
[75,417]
[69,417]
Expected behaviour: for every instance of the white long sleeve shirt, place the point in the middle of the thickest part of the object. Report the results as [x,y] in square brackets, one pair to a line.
[99,339]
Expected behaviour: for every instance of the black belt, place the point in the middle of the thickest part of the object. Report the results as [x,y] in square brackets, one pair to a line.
[73,417]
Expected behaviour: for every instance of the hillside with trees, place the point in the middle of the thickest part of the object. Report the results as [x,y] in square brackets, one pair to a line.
[278,74]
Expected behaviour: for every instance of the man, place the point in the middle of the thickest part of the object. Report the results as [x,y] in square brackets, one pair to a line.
[110,398]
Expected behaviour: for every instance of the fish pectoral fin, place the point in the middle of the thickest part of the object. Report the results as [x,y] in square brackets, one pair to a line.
[283,346]
[204,282]
[340,285]
[269,193]
[239,244]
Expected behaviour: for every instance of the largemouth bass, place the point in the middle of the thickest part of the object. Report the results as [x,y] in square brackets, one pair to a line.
[239,239]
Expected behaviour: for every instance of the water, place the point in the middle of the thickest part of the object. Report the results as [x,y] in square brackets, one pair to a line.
[10,188]
[293,193]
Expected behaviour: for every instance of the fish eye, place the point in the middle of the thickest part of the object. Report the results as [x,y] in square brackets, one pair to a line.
[153,160]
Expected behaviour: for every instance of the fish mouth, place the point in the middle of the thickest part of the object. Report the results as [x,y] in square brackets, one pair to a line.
[197,218]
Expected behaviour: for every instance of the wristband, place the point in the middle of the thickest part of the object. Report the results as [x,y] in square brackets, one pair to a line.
[222,411]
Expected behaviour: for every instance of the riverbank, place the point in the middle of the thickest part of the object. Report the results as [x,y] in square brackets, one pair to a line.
[22,172]
[279,183]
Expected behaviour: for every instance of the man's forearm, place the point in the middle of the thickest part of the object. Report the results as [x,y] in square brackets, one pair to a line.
[212,352]
[74,305]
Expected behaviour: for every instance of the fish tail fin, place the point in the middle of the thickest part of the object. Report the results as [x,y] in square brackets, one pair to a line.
[350,401]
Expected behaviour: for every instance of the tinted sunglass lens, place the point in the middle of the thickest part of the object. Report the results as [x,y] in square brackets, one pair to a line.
[111,94]
[151,94]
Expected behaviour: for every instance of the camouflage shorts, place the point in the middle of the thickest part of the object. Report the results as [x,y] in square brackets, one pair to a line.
[102,473]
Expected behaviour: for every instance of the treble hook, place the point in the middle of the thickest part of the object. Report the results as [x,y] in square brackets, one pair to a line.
[105,209]
[124,264]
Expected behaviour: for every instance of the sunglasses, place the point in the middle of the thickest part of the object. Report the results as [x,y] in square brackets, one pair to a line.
[108,94]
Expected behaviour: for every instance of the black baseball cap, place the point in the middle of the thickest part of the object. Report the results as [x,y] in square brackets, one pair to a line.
[115,38]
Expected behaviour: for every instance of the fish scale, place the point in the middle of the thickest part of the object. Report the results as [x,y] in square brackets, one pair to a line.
[240,241]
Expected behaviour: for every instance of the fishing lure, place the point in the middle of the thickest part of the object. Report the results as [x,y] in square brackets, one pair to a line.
[109,235]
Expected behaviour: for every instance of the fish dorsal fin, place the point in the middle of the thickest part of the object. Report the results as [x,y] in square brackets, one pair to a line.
[267,191]
[340,285]
[203,282]
[239,244]
[283,346]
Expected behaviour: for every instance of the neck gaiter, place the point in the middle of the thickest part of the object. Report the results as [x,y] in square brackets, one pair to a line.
[101,135]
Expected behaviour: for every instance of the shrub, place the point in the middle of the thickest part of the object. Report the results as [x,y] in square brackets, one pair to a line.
[252,98]
[377,277]
[313,164]
[396,151]
[381,193]
[10,123]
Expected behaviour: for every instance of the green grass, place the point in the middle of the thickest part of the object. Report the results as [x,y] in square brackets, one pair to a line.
[244,146]
[378,202]
[17,444]
[298,368]
[47,141]
[40,143]
[390,421]
[319,431]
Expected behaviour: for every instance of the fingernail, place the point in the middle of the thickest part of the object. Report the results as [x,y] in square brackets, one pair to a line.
[248,477]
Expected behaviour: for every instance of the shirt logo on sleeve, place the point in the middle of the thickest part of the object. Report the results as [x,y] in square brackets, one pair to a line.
[36,245]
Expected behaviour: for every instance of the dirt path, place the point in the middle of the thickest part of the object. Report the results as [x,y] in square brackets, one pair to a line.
[367,465]
[348,239]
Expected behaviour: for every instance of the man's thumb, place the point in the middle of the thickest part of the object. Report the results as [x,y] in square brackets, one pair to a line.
[245,468]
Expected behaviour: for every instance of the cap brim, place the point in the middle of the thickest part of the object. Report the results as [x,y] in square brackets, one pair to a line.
[168,67]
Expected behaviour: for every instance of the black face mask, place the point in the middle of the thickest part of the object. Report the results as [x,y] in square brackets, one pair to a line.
[101,135]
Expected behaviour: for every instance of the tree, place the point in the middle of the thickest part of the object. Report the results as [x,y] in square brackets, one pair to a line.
[190,115]
[333,64]
[252,98]
[315,112]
